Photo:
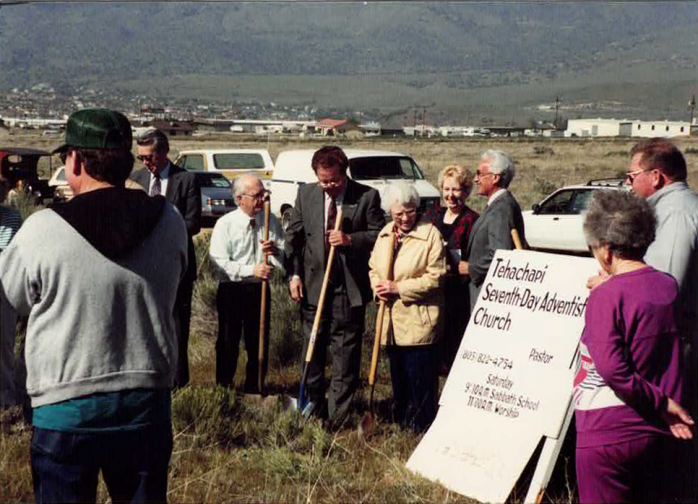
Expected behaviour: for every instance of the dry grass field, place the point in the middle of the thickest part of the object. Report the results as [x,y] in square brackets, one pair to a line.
[228,449]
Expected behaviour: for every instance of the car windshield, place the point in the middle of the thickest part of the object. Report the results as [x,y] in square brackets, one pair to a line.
[384,167]
[211,180]
[238,161]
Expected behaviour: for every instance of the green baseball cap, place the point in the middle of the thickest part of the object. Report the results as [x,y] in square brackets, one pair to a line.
[97,129]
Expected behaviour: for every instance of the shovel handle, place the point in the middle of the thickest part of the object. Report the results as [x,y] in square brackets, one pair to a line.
[379,319]
[376,344]
[323,291]
[263,308]
[517,239]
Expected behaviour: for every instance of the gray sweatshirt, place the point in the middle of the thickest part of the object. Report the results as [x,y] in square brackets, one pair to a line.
[98,279]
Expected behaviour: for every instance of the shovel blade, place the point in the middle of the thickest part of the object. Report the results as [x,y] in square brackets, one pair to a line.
[288,403]
[367,425]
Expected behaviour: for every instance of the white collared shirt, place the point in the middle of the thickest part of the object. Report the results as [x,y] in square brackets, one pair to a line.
[164,174]
[495,195]
[235,247]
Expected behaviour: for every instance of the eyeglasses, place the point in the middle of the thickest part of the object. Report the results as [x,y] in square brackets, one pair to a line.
[258,195]
[331,184]
[631,176]
[411,212]
[150,158]
[482,175]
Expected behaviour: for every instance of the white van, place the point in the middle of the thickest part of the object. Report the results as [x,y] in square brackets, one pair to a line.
[373,168]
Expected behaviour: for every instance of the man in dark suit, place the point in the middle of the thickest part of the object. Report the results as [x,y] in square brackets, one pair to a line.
[492,230]
[182,190]
[308,240]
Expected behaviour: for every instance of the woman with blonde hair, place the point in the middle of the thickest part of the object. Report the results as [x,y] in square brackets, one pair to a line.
[455,221]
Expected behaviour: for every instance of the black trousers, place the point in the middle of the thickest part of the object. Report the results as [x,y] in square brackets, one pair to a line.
[182,315]
[414,376]
[341,329]
[456,314]
[239,309]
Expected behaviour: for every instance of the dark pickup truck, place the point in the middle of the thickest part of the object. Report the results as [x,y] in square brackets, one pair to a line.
[18,163]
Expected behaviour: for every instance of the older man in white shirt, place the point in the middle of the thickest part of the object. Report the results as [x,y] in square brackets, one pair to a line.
[238,249]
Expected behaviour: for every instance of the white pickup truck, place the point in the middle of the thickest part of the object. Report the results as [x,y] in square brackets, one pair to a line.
[375,169]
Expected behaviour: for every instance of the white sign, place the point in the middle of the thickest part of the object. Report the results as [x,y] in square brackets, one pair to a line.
[512,378]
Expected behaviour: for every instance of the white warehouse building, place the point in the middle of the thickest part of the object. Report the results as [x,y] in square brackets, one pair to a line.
[627,128]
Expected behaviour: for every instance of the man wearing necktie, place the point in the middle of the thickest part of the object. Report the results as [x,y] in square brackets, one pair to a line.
[180,188]
[308,240]
[492,230]
[237,251]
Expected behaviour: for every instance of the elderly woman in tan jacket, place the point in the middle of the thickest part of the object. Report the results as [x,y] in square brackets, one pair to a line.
[412,287]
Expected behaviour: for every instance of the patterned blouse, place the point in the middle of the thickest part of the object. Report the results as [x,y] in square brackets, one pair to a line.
[456,234]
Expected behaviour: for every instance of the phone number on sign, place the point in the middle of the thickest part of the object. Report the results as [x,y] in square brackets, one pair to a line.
[487,359]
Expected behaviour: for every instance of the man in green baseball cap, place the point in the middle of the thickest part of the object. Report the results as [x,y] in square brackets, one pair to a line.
[97,277]
[101,139]
[97,129]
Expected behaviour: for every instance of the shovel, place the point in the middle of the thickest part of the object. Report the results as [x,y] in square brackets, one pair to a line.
[263,311]
[302,404]
[517,239]
[368,422]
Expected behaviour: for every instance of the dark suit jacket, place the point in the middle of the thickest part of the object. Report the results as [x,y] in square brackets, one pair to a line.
[184,193]
[362,219]
[491,232]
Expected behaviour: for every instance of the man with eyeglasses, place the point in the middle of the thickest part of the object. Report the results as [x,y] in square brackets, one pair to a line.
[308,240]
[492,230]
[97,277]
[237,251]
[658,173]
[161,177]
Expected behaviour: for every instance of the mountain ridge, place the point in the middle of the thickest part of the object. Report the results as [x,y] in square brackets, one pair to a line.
[459,46]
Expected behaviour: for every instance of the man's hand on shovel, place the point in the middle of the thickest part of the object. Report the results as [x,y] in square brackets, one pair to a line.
[338,238]
[263,271]
[269,247]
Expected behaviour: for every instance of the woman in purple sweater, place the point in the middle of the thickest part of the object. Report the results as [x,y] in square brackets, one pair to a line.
[629,383]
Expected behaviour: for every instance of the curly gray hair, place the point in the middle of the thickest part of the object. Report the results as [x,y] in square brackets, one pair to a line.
[400,193]
[623,221]
[244,181]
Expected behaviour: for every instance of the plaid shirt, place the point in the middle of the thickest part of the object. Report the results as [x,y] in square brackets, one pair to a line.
[461,226]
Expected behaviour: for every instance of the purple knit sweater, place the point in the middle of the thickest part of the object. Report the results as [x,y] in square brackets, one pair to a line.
[630,359]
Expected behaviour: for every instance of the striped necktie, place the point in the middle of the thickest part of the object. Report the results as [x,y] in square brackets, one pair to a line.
[156,189]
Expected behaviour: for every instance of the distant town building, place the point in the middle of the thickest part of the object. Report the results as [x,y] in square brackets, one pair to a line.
[172,128]
[334,127]
[626,128]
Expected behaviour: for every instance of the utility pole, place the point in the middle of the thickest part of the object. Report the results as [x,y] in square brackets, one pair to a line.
[557,107]
[424,114]
[692,106]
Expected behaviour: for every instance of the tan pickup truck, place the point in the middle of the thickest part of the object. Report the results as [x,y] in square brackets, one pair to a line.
[230,162]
